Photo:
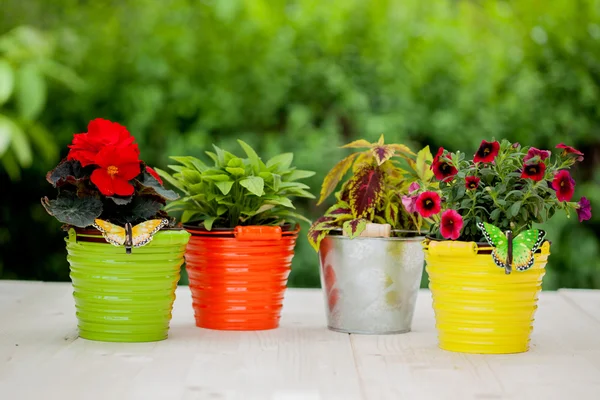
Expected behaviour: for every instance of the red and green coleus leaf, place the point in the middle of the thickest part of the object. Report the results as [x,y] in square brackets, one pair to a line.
[319,229]
[365,190]
[335,175]
[391,213]
[354,227]
[339,211]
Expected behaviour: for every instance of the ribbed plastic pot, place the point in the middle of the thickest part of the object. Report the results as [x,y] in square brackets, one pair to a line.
[478,308]
[123,297]
[238,276]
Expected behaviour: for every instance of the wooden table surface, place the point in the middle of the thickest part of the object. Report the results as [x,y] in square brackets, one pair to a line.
[41,356]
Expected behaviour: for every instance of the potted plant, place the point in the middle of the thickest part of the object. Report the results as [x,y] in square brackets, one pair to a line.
[369,241]
[240,215]
[484,258]
[124,253]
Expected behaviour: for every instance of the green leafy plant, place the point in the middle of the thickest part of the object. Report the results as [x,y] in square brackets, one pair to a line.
[103,177]
[237,191]
[379,190]
[25,64]
[504,184]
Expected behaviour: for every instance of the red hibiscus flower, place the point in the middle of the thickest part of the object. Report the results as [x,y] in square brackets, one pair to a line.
[101,133]
[568,150]
[534,171]
[117,167]
[442,170]
[154,174]
[584,209]
[533,152]
[487,152]
[451,224]
[472,182]
[564,185]
[428,204]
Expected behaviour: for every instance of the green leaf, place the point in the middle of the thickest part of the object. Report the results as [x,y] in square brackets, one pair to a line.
[192,176]
[217,178]
[31,92]
[188,215]
[6,127]
[281,201]
[224,186]
[254,184]
[276,182]
[220,156]
[121,201]
[208,222]
[67,171]
[514,209]
[179,185]
[299,174]
[423,162]
[222,210]
[7,82]
[281,161]
[254,159]
[495,214]
[236,171]
[20,142]
[69,209]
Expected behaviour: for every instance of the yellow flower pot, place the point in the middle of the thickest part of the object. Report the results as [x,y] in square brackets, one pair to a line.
[478,308]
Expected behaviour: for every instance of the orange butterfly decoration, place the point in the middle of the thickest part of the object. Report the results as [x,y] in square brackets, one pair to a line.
[130,236]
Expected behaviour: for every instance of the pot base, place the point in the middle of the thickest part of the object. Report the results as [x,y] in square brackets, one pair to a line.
[351,332]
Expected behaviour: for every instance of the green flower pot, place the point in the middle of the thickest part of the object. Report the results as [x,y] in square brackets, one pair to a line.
[123,297]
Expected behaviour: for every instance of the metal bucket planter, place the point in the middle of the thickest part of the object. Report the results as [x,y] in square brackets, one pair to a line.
[238,277]
[370,284]
[478,308]
[123,297]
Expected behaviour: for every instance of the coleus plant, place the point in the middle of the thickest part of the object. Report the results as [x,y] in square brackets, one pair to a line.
[103,177]
[379,191]
[237,191]
[504,184]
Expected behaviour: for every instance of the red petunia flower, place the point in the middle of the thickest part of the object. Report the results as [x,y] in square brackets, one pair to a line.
[101,133]
[567,150]
[428,204]
[154,174]
[534,171]
[451,224]
[564,185]
[584,209]
[487,152]
[472,182]
[533,152]
[442,170]
[117,167]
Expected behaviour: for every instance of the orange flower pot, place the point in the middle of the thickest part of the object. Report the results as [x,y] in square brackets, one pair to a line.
[238,276]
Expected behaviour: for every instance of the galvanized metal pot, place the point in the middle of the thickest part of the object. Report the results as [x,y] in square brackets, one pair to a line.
[370,284]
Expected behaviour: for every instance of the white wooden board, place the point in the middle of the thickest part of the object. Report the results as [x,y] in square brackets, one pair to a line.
[41,356]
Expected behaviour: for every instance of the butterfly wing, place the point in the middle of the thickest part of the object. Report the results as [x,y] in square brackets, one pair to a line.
[496,238]
[524,247]
[113,234]
[142,233]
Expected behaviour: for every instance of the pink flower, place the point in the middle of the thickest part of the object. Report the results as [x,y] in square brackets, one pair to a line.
[410,203]
[532,152]
[451,224]
[564,185]
[428,204]
[584,209]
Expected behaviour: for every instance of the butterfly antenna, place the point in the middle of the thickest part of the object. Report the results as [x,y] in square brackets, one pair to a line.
[128,238]
[509,256]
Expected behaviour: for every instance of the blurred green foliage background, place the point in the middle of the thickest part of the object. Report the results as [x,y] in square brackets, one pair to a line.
[300,75]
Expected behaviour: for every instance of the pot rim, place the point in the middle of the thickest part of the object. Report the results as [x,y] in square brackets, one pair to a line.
[391,239]
[286,230]
[479,244]
[93,235]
